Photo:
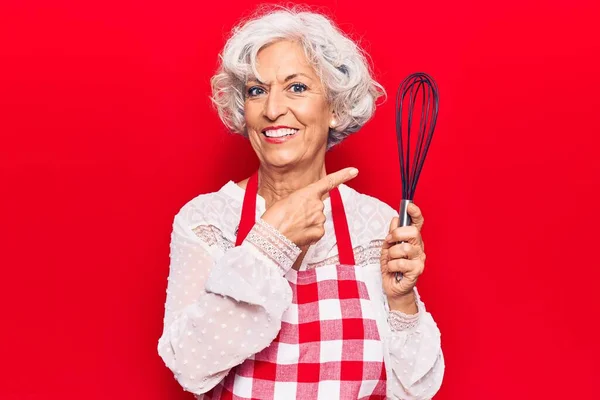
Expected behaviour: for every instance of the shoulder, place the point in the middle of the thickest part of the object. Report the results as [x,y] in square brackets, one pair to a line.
[215,212]
[368,217]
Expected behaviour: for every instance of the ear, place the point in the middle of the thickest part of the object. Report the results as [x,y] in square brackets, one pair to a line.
[333,120]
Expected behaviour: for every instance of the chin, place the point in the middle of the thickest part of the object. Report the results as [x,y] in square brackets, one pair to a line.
[282,160]
[280,163]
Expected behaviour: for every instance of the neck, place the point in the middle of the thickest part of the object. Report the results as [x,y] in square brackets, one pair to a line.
[275,184]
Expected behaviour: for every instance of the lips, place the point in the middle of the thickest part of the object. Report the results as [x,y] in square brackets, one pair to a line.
[279,131]
[278,135]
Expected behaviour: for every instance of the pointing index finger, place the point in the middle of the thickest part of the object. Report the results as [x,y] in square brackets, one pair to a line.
[334,179]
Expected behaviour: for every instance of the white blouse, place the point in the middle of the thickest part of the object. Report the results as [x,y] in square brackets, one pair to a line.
[225,303]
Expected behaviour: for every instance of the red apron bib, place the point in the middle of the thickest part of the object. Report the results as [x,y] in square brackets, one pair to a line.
[329,346]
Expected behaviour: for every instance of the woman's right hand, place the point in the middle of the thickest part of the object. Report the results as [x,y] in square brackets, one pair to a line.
[299,216]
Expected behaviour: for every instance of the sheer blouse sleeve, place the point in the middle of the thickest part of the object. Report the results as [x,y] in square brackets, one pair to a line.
[416,356]
[221,310]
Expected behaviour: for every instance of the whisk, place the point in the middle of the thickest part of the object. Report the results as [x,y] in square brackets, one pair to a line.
[416,114]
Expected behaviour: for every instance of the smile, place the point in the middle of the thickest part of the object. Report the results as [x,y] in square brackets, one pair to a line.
[279,132]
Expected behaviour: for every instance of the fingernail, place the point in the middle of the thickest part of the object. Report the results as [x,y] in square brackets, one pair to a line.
[388,237]
[353,172]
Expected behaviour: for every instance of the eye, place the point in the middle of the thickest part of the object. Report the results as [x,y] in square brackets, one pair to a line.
[298,87]
[255,91]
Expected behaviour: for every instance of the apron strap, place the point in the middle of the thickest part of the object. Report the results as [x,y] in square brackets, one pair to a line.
[248,209]
[340,223]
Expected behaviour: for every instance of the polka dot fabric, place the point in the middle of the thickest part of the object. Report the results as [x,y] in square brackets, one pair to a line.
[227,304]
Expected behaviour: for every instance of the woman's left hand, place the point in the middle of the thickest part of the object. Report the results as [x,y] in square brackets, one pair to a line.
[407,258]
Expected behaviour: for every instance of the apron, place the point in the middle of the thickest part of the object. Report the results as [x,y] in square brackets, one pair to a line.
[329,346]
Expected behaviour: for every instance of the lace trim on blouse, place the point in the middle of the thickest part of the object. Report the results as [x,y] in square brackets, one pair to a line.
[362,256]
[274,245]
[213,236]
[400,321]
[280,249]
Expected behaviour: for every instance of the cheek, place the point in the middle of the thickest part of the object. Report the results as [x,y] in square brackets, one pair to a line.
[313,114]
[252,112]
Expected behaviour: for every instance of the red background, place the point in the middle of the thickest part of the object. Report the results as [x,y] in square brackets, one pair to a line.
[107,131]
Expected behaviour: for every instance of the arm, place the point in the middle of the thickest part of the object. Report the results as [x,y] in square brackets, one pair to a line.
[415,354]
[414,341]
[220,312]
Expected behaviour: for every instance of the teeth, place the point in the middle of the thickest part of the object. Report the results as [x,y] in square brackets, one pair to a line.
[280,132]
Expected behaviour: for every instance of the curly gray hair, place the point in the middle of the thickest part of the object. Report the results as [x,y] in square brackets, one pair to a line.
[338,61]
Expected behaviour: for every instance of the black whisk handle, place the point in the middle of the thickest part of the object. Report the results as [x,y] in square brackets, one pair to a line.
[405,220]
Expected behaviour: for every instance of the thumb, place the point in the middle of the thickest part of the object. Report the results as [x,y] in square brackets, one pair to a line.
[416,215]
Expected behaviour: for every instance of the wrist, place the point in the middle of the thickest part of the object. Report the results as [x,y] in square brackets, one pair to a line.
[272,219]
[278,221]
[406,303]
[273,244]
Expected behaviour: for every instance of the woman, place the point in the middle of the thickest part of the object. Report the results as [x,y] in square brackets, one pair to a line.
[283,285]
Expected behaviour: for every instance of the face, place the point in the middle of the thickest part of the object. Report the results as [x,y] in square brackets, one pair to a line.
[287,113]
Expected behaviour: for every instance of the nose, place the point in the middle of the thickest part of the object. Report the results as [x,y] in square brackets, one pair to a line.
[275,105]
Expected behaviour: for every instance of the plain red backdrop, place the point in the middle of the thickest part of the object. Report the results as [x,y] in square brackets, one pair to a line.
[107,130]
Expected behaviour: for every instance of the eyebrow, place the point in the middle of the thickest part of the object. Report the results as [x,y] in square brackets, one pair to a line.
[288,78]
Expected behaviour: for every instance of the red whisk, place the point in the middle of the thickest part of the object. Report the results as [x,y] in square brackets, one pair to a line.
[416,114]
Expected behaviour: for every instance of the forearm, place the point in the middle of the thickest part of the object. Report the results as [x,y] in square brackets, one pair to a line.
[215,325]
[215,334]
[416,356]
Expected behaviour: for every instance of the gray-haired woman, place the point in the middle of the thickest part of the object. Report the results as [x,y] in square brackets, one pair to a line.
[283,285]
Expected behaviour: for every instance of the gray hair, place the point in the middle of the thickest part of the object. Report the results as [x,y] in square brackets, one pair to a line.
[339,62]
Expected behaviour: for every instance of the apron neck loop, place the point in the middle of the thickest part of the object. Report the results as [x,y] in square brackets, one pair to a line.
[248,209]
[340,223]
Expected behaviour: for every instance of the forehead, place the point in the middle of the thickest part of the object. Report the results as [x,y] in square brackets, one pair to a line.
[281,59]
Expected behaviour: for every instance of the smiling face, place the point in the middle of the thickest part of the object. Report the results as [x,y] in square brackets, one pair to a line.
[287,114]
